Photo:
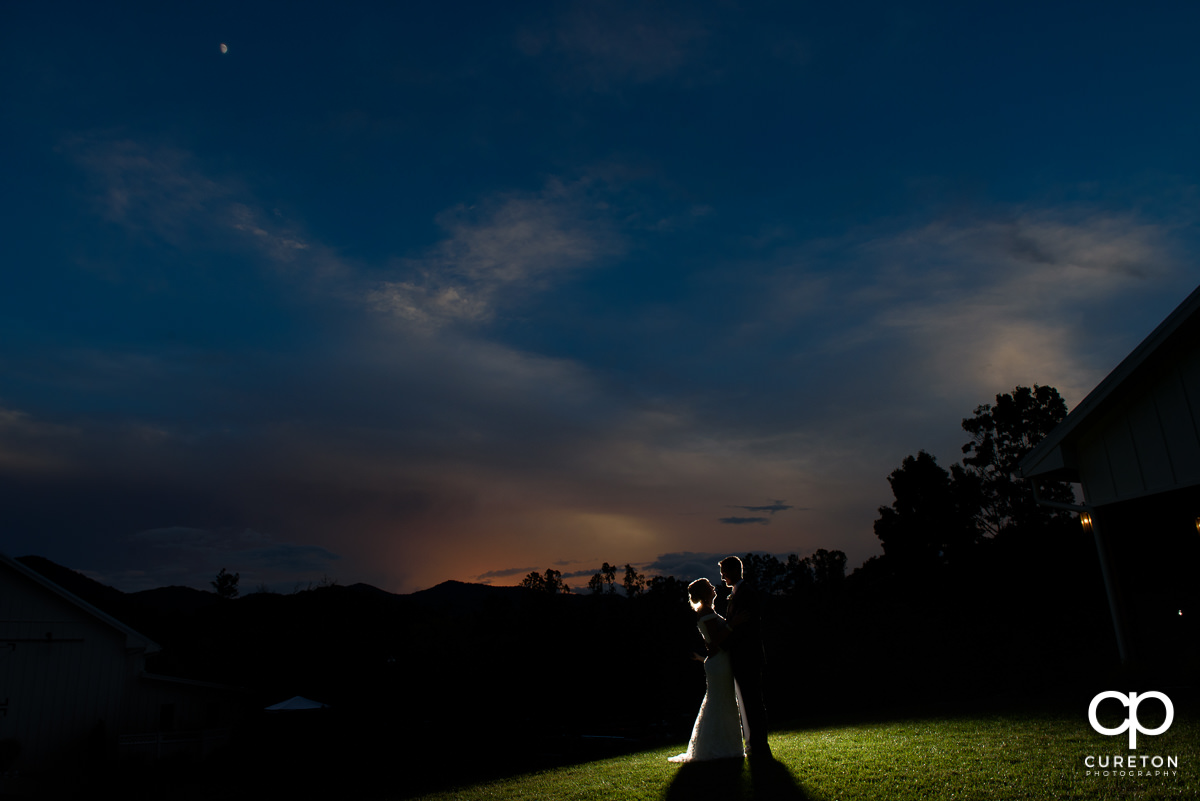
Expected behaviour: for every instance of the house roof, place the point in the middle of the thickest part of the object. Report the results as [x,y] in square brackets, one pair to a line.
[1050,457]
[134,641]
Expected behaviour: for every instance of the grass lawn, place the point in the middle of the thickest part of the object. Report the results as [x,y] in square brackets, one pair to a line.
[1002,757]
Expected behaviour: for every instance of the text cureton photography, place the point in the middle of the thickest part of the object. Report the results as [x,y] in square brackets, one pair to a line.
[1131,764]
[1138,765]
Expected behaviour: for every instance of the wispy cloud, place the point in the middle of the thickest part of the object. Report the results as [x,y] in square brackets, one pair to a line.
[995,303]
[964,308]
[839,358]
[772,508]
[165,193]
[607,45]
[497,252]
[508,572]
[574,574]
[157,190]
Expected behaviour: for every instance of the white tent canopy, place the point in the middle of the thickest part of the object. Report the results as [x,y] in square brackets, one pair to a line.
[296,703]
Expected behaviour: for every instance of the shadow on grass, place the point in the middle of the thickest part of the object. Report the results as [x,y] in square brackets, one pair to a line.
[770,778]
[735,779]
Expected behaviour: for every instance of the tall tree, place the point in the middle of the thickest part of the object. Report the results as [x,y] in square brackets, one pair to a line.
[928,523]
[667,588]
[554,583]
[1001,436]
[766,571]
[534,581]
[596,584]
[226,584]
[610,577]
[828,567]
[551,582]
[798,576]
[634,583]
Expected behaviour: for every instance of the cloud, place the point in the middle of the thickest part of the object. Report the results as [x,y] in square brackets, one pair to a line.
[281,245]
[165,193]
[687,566]
[509,246]
[453,398]
[773,508]
[180,537]
[605,46]
[574,574]
[991,304]
[837,360]
[30,445]
[958,309]
[505,573]
[157,190]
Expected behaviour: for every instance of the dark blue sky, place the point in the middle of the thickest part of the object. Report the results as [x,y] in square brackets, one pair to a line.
[407,294]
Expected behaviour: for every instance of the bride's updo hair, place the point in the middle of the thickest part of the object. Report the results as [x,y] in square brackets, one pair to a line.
[700,591]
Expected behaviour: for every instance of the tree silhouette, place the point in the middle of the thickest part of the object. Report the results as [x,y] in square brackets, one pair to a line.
[828,567]
[226,584]
[610,577]
[534,581]
[596,584]
[939,516]
[634,583]
[554,583]
[798,575]
[667,588]
[1002,434]
[551,582]
[929,523]
[765,571]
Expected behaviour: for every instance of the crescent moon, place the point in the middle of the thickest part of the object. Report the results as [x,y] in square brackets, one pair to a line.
[224,49]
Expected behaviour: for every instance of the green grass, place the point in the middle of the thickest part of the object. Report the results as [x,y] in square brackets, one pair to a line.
[1004,758]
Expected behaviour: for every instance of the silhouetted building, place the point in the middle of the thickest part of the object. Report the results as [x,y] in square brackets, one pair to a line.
[73,684]
[1133,445]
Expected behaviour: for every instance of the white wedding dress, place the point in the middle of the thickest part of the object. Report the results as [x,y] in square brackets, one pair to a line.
[719,726]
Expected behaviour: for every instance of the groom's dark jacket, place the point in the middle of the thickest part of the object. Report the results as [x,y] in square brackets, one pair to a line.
[745,642]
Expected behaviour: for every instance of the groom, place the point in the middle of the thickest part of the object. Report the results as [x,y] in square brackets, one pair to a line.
[745,647]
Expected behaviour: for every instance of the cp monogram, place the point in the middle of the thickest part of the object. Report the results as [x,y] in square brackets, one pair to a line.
[1131,723]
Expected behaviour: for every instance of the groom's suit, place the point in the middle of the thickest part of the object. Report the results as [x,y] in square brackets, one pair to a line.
[746,654]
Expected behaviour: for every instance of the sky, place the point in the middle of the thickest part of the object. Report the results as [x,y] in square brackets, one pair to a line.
[400,293]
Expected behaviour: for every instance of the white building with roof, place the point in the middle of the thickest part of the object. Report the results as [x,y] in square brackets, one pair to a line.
[73,683]
[1133,445]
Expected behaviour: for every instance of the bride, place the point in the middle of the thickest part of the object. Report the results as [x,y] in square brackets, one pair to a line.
[718,730]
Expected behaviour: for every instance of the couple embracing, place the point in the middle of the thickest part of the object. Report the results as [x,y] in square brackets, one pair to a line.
[733,703]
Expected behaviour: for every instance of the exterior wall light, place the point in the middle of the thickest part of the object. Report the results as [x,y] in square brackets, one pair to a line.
[1085,520]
